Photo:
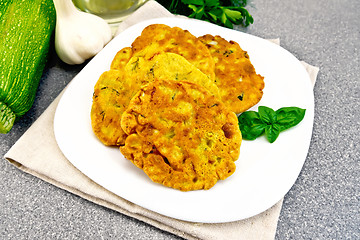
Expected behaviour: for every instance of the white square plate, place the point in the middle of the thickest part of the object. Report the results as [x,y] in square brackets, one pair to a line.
[265,172]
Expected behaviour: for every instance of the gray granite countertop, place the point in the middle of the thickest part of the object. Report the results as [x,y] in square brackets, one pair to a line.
[324,202]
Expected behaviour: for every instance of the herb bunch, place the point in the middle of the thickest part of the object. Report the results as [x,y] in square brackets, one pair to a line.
[225,13]
[253,124]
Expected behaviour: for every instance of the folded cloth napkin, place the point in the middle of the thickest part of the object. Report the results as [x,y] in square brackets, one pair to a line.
[43,159]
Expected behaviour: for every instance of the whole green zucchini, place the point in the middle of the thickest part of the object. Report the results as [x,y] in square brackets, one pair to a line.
[26,28]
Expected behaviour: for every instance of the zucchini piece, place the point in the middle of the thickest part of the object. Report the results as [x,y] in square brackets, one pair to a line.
[26,28]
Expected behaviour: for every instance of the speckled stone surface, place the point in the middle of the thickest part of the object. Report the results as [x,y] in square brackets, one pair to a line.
[324,202]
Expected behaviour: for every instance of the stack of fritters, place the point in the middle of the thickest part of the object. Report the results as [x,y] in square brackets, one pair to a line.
[116,87]
[170,102]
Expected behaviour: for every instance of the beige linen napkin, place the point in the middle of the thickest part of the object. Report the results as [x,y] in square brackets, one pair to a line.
[43,159]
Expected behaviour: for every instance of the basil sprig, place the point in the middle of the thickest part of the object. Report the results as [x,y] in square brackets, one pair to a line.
[253,124]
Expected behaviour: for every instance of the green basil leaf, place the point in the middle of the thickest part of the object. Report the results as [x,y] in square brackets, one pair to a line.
[272,132]
[288,117]
[252,132]
[267,114]
[251,126]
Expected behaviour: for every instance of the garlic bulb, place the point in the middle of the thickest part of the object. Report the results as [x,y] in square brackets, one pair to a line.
[78,35]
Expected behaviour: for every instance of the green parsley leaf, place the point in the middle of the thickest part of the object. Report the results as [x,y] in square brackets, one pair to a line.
[221,12]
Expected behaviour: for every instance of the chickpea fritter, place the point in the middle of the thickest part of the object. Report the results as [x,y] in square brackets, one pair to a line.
[181,135]
[239,85]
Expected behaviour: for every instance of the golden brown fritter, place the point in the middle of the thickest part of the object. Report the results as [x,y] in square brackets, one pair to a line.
[110,98]
[239,86]
[181,135]
[121,58]
[121,86]
[166,65]
[157,38]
